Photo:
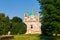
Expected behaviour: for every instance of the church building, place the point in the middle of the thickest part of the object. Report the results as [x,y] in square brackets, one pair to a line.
[33,23]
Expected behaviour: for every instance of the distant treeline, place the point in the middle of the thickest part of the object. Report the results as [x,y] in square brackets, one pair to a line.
[14,25]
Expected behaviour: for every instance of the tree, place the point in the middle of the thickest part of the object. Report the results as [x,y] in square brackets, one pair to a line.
[50,11]
[16,19]
[4,24]
[17,26]
[23,28]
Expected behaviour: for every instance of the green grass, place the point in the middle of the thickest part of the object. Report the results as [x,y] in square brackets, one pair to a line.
[33,37]
[26,37]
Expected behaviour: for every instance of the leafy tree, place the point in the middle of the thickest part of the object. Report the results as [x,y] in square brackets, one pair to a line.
[50,11]
[15,25]
[16,19]
[4,24]
[18,27]
[22,28]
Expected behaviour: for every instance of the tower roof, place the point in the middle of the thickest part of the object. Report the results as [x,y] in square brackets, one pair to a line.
[32,13]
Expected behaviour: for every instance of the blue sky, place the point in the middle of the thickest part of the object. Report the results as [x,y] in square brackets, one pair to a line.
[13,8]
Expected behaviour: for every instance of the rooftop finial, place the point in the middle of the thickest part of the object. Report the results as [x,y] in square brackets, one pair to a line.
[32,11]
[26,13]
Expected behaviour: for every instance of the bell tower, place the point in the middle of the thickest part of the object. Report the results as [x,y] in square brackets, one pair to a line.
[33,23]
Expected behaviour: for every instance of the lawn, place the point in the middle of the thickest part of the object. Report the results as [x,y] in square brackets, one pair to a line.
[26,37]
[34,37]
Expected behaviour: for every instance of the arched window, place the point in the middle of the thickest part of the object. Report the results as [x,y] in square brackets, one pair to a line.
[31,27]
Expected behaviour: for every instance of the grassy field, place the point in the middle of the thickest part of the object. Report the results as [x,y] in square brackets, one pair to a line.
[26,37]
[34,37]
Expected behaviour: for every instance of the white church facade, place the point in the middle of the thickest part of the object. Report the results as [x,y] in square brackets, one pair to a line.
[33,23]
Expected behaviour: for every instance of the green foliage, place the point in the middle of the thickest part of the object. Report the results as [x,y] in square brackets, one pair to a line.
[18,27]
[23,28]
[15,25]
[4,24]
[50,9]
[16,19]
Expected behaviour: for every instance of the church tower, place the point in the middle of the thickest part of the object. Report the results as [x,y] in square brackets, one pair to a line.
[33,23]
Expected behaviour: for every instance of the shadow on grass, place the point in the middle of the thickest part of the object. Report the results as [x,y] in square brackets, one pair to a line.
[42,37]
